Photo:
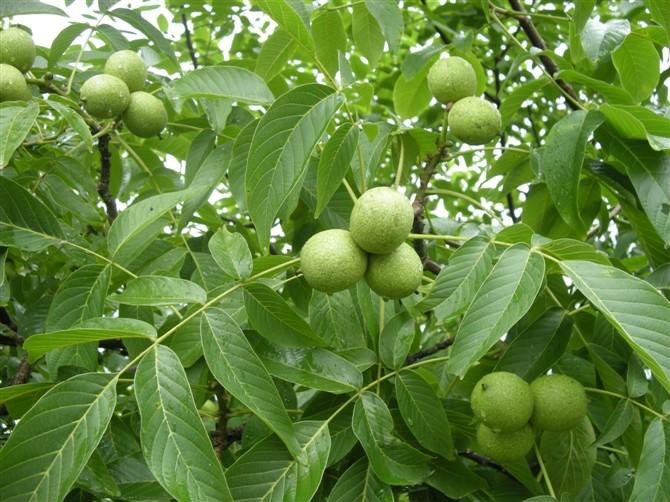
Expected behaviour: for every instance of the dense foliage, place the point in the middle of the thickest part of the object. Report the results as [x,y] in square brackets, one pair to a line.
[159,341]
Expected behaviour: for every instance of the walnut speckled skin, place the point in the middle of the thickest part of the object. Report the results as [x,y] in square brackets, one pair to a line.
[17,49]
[560,402]
[331,261]
[505,446]
[129,67]
[146,115]
[503,401]
[395,275]
[105,96]
[451,79]
[381,220]
[13,85]
[474,121]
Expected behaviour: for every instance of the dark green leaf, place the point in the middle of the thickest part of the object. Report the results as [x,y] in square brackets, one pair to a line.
[359,483]
[231,253]
[396,340]
[653,472]
[135,19]
[637,64]
[157,290]
[334,163]
[15,124]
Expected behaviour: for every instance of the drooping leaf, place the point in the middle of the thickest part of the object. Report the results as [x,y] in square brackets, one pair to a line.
[334,163]
[15,124]
[411,95]
[653,472]
[231,82]
[231,253]
[359,483]
[52,443]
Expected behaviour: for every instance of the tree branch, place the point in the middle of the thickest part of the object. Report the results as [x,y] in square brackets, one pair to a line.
[103,185]
[189,43]
[484,461]
[429,351]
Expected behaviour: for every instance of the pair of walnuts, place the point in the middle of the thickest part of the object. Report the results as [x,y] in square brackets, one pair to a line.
[17,54]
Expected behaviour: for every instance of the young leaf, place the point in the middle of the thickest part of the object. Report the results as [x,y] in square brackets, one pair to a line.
[236,366]
[334,163]
[280,150]
[231,253]
[653,472]
[52,443]
[230,82]
[158,290]
[504,297]
[396,340]
[642,316]
[174,440]
[15,124]
[360,483]
[394,461]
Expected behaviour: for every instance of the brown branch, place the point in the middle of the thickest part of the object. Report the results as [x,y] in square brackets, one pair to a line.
[484,461]
[429,351]
[223,437]
[431,266]
[103,185]
[536,40]
[189,43]
[21,376]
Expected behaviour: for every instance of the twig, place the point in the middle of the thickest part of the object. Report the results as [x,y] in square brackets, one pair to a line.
[189,43]
[510,206]
[544,472]
[438,30]
[484,461]
[103,185]
[429,351]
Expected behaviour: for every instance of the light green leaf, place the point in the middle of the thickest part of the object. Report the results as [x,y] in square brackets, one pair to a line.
[660,11]
[92,330]
[273,318]
[9,9]
[158,290]
[571,249]
[637,64]
[600,39]
[642,315]
[275,53]
[583,9]
[236,366]
[359,483]
[367,34]
[504,297]
[280,150]
[267,472]
[393,461]
[334,163]
[26,389]
[396,340]
[288,20]
[231,253]
[653,472]
[135,19]
[423,413]
[52,443]
[330,39]
[15,124]
[75,120]
[511,104]
[229,82]
[389,16]
[237,168]
[611,93]
[411,96]
[174,441]
[64,40]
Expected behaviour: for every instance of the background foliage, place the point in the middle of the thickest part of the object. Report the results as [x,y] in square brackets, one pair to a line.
[159,343]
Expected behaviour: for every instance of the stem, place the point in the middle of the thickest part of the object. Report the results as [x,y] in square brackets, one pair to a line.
[81,53]
[544,472]
[401,161]
[538,15]
[350,190]
[620,396]
[381,328]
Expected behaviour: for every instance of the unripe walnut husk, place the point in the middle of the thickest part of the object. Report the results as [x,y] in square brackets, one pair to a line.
[505,446]
[129,67]
[17,49]
[452,79]
[146,115]
[503,401]
[559,402]
[474,121]
[13,85]
[396,274]
[105,96]
[381,220]
[331,261]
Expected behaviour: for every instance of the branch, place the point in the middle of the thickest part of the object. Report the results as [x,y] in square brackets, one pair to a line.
[189,43]
[429,13]
[537,41]
[484,461]
[103,185]
[429,351]
[21,376]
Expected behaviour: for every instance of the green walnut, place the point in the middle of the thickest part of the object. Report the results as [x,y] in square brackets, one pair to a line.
[505,446]
[559,402]
[474,120]
[105,96]
[451,79]
[145,115]
[13,85]
[381,220]
[395,275]
[331,261]
[17,49]
[503,401]
[129,67]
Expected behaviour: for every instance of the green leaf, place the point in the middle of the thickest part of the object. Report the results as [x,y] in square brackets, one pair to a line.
[642,315]
[158,290]
[389,16]
[52,443]
[334,164]
[367,34]
[237,168]
[571,249]
[637,64]
[330,39]
[14,391]
[653,471]
[618,422]
[236,366]
[25,222]
[660,11]
[396,340]
[512,103]
[359,483]
[175,443]
[63,41]
[231,253]
[503,298]
[423,413]
[411,95]
[562,158]
[275,53]
[229,82]
[583,9]
[600,39]
[456,284]
[9,9]
[275,474]
[135,19]
[393,461]
[280,150]
[91,330]
[333,317]
[454,479]
[75,120]
[569,457]
[273,318]
[15,124]
[611,93]
[314,368]
[132,231]
[283,13]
